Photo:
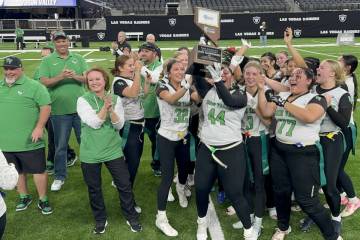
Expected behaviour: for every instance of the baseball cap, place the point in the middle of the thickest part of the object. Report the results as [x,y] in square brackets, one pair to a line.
[12,62]
[59,34]
[148,46]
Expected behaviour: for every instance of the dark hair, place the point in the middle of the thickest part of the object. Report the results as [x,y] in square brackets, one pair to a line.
[119,62]
[184,48]
[272,57]
[312,63]
[103,73]
[169,65]
[352,61]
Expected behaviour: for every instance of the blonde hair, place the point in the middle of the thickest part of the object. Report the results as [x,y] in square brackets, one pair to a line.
[338,70]
[254,64]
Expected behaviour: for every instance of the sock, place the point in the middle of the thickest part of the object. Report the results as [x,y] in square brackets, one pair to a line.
[44,198]
[343,194]
[338,218]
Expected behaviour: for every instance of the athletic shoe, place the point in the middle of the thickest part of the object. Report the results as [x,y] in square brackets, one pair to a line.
[175,180]
[326,206]
[344,201]
[221,197]
[138,209]
[113,184]
[187,190]
[23,203]
[280,235]
[305,224]
[272,213]
[45,208]
[50,169]
[71,161]
[339,238]
[56,185]
[162,223]
[134,226]
[321,191]
[191,180]
[295,208]
[257,226]
[180,189]
[350,209]
[100,227]
[171,197]
[250,234]
[201,233]
[337,226]
[157,172]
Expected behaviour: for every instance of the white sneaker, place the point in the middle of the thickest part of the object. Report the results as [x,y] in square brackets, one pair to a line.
[113,184]
[280,235]
[180,189]
[201,233]
[162,223]
[187,190]
[56,185]
[257,226]
[230,211]
[191,180]
[171,197]
[238,225]
[175,180]
[250,234]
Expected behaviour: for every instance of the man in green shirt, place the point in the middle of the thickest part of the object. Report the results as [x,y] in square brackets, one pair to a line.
[25,108]
[19,38]
[63,73]
[152,68]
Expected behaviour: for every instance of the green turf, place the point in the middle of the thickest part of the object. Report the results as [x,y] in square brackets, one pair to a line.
[72,218]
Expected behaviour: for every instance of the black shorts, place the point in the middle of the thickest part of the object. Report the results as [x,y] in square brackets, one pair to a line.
[32,161]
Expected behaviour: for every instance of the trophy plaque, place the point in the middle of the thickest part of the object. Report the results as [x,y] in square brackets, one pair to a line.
[209,23]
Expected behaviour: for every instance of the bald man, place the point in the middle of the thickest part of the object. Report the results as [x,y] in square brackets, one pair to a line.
[121,46]
[150,38]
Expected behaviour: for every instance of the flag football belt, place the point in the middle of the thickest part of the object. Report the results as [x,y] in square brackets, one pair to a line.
[126,130]
[331,135]
[213,150]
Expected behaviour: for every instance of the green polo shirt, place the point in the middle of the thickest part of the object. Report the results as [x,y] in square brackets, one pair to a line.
[66,92]
[19,32]
[103,144]
[19,107]
[151,108]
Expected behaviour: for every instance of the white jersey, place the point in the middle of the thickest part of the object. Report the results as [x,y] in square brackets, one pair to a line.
[222,125]
[133,108]
[327,124]
[351,90]
[251,123]
[290,130]
[174,118]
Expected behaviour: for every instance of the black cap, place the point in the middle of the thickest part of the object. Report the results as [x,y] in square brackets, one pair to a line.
[149,46]
[59,34]
[12,62]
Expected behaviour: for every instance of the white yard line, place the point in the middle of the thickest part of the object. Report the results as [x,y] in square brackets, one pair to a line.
[172,49]
[318,53]
[87,54]
[215,229]
[12,54]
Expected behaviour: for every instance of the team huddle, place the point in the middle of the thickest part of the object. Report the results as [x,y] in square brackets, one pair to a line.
[270,133]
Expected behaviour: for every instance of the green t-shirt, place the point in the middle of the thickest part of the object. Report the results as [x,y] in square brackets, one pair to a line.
[36,76]
[151,108]
[103,144]
[19,32]
[20,106]
[66,92]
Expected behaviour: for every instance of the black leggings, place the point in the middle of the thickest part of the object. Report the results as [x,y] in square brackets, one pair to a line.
[344,183]
[254,146]
[333,152]
[133,149]
[168,151]
[151,126]
[2,225]
[297,168]
[232,178]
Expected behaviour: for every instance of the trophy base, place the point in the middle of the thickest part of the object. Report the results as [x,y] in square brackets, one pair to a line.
[205,54]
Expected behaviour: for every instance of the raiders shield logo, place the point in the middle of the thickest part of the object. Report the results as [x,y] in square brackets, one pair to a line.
[297,32]
[172,21]
[342,17]
[9,61]
[256,19]
[101,35]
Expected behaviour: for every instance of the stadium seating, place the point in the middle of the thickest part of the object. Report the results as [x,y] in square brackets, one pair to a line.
[139,6]
[309,5]
[232,6]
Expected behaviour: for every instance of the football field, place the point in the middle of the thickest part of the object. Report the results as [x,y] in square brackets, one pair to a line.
[72,218]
